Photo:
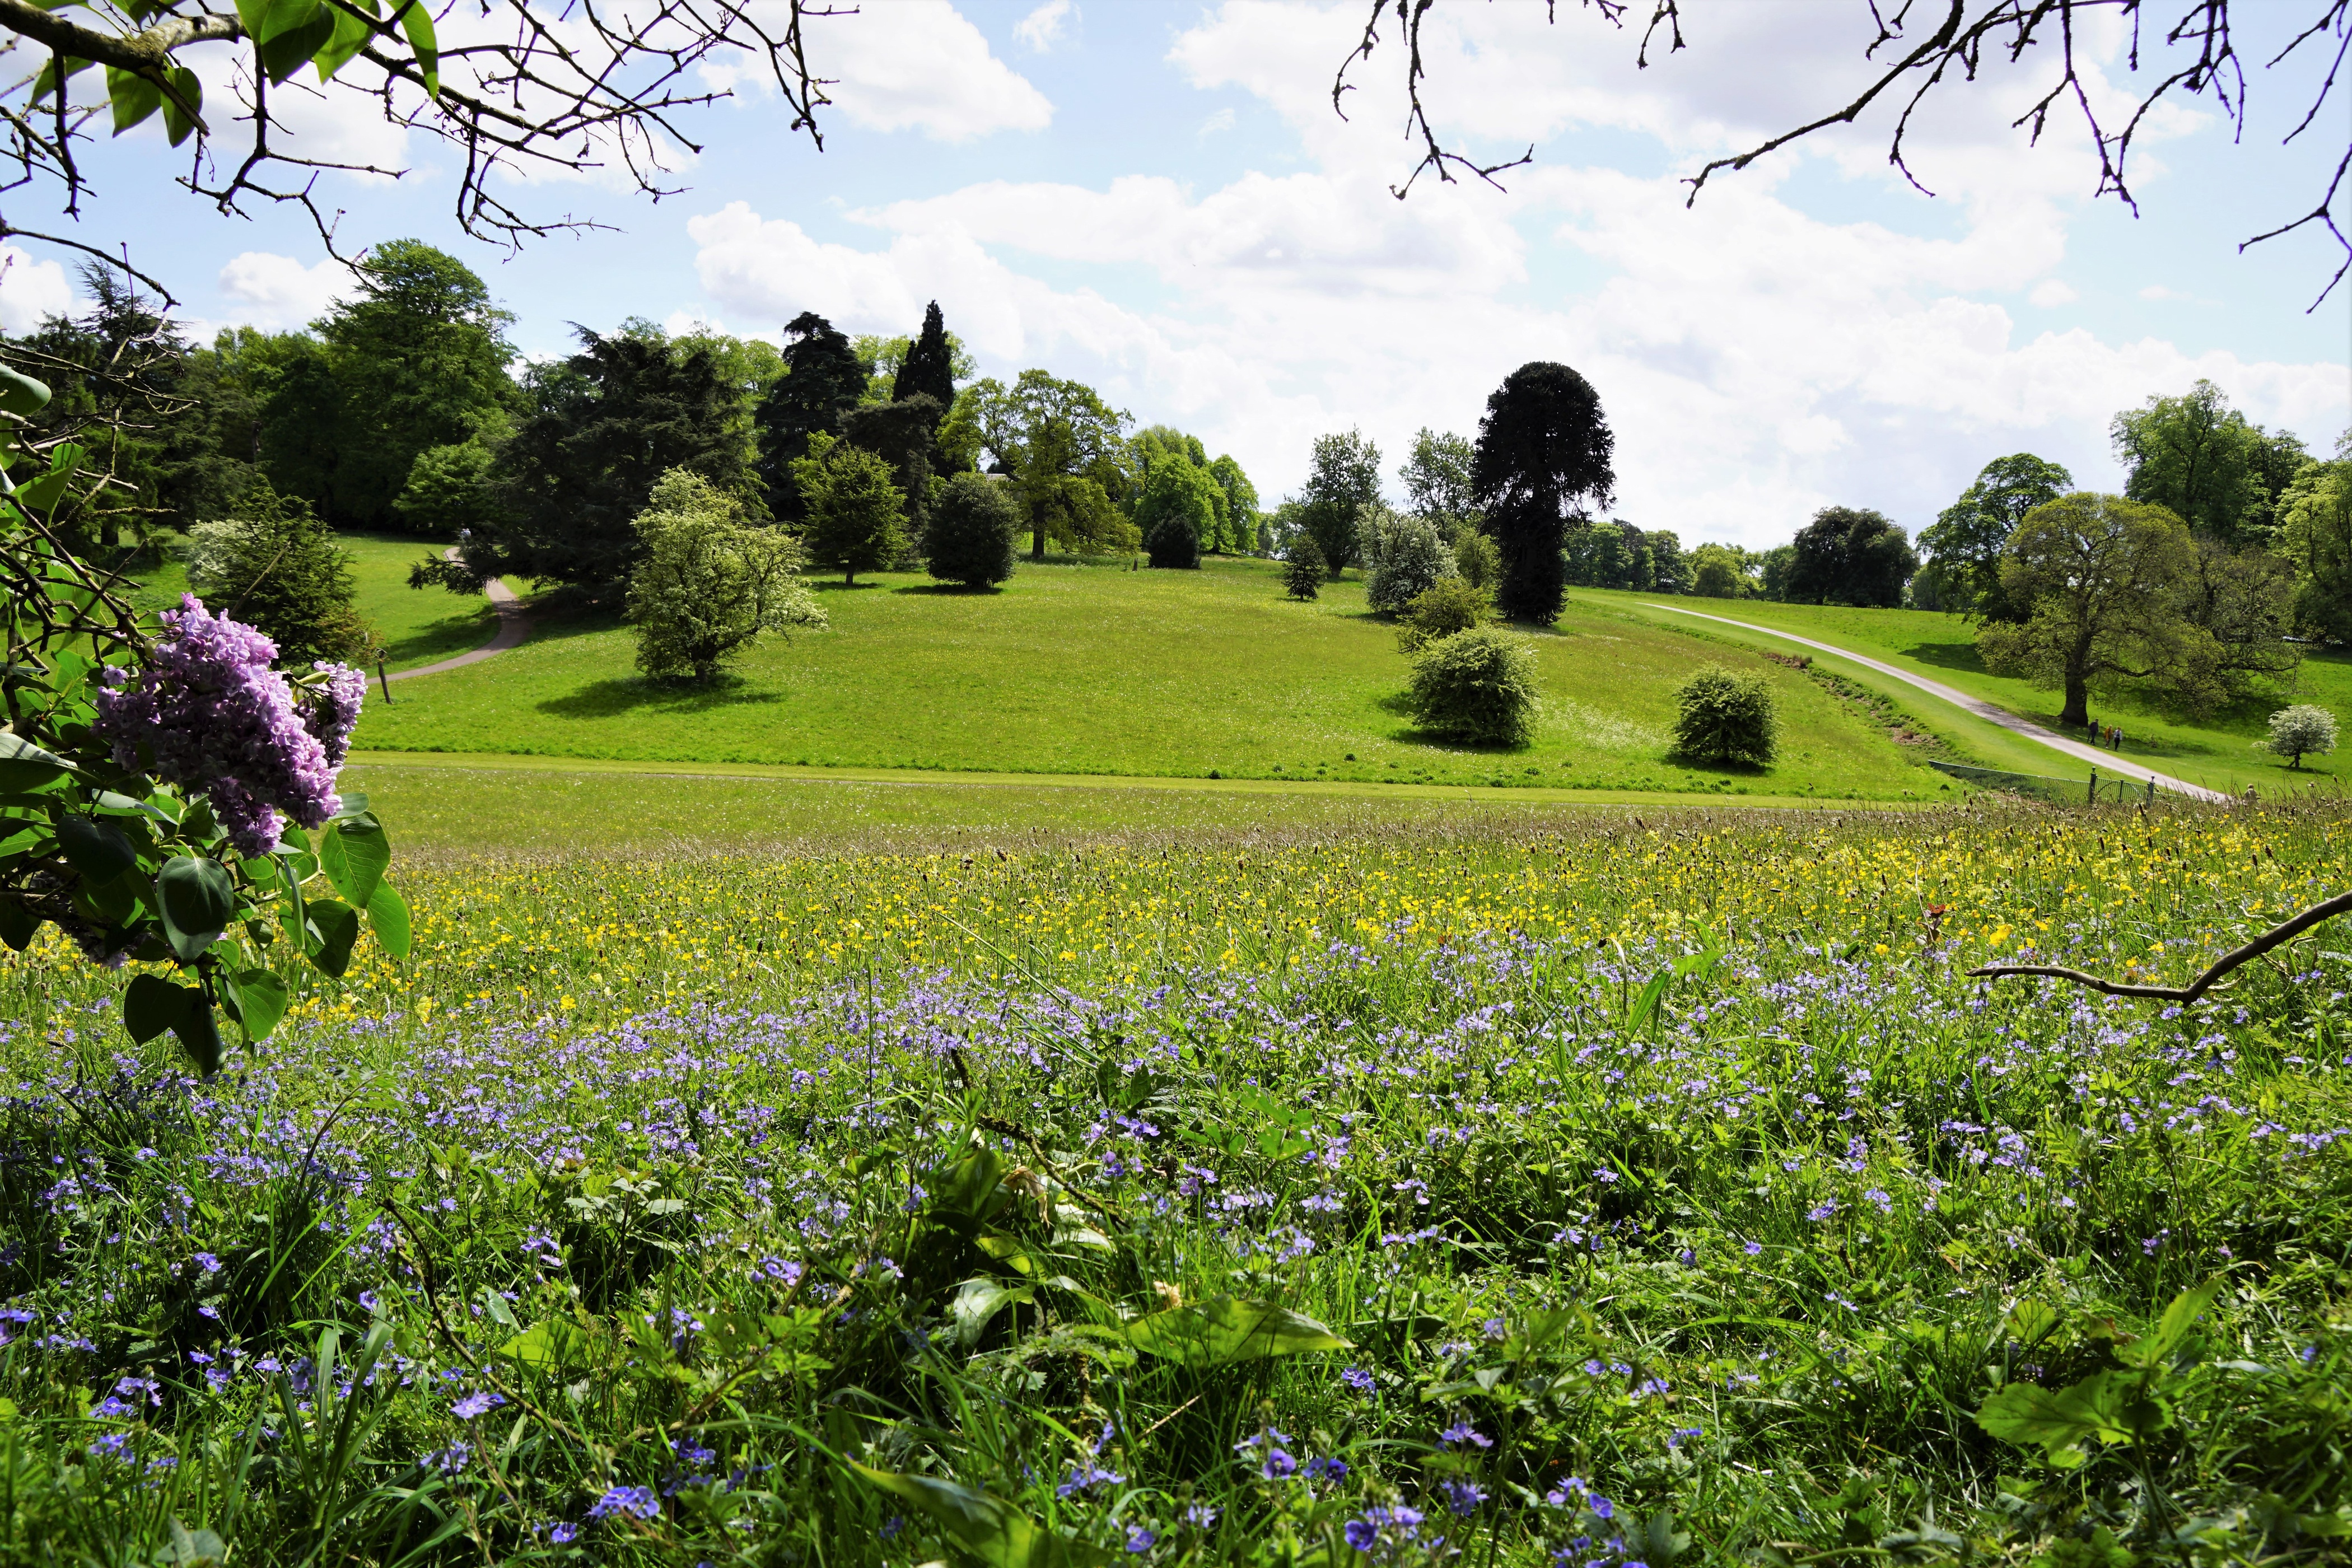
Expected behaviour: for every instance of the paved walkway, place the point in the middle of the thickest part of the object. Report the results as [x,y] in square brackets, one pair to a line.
[514,626]
[2106,762]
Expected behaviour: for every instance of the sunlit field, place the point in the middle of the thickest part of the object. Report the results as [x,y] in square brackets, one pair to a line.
[1637,1188]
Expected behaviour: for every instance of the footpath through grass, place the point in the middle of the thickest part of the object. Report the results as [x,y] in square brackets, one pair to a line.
[1611,1194]
[2216,750]
[1093,670]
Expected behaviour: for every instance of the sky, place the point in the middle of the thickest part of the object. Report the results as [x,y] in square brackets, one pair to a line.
[1160,200]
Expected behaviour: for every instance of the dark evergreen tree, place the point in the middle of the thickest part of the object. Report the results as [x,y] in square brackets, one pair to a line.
[1849,555]
[823,380]
[1544,452]
[928,371]
[903,434]
[972,528]
[278,569]
[1303,570]
[610,421]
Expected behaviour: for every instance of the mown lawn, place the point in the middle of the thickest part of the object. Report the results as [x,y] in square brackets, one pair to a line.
[1486,1192]
[1095,670]
[2215,750]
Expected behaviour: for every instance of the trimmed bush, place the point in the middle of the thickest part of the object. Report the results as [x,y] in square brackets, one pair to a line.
[1304,568]
[1453,605]
[1478,686]
[2303,729]
[1726,718]
[968,538]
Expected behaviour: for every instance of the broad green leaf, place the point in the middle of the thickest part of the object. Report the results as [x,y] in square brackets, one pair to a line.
[2106,1407]
[2172,1329]
[19,393]
[2032,1322]
[989,1529]
[291,33]
[353,854]
[152,1004]
[19,925]
[351,36]
[24,765]
[118,899]
[184,106]
[97,850]
[199,1034]
[196,899]
[980,1301]
[417,23]
[336,929]
[972,1189]
[387,914]
[41,494]
[546,1345]
[132,96]
[1227,1329]
[261,1001]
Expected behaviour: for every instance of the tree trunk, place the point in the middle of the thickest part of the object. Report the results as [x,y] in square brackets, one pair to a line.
[2078,700]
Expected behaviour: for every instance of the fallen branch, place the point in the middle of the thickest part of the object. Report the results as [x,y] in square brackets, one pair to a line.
[2285,931]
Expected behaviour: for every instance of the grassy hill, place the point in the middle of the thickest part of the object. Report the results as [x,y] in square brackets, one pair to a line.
[2215,749]
[1096,670]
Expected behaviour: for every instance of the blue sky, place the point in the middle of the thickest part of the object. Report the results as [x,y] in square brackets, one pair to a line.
[1158,200]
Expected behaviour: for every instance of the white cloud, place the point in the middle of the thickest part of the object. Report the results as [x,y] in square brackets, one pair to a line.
[1223,119]
[31,290]
[277,292]
[919,65]
[2050,293]
[1043,27]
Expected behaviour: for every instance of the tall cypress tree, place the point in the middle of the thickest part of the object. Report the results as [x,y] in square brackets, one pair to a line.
[928,370]
[1544,451]
[823,380]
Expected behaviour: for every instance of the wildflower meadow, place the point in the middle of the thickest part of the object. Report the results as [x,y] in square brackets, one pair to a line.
[1659,1191]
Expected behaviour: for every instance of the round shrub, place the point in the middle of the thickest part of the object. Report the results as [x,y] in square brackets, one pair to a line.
[1403,557]
[1477,685]
[1453,605]
[2303,729]
[969,538]
[1303,570]
[1726,718]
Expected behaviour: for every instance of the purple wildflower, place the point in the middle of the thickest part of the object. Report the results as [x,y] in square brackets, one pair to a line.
[1463,1432]
[475,1404]
[637,1501]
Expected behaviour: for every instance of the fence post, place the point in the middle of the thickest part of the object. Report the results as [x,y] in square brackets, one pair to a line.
[2095,787]
[2151,788]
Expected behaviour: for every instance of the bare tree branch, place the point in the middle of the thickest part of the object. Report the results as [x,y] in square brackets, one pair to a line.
[2285,931]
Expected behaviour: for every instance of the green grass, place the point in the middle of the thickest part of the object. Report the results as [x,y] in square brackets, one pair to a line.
[1088,670]
[418,626]
[2215,750]
[664,1211]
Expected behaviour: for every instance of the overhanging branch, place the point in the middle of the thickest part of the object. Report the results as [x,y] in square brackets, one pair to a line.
[2285,931]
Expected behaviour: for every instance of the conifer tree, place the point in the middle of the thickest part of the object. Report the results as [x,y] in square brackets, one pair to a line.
[928,368]
[1543,453]
[823,380]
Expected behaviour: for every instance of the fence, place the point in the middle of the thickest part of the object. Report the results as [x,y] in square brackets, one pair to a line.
[2066,792]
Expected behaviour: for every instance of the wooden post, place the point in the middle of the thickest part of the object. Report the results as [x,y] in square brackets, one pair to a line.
[2095,787]
[382,680]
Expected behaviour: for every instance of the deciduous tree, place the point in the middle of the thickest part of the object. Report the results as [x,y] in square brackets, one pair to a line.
[972,526]
[1850,555]
[1964,543]
[1343,477]
[856,514]
[707,584]
[2196,456]
[1436,478]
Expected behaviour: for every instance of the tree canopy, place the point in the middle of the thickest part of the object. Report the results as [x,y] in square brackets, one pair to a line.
[1343,477]
[1544,454]
[823,380]
[1964,543]
[1850,555]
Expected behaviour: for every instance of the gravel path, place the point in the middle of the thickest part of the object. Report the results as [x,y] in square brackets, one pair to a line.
[514,626]
[2106,762]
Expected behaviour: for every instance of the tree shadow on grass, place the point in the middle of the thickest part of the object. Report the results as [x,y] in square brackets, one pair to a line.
[1959,655]
[629,694]
[826,585]
[952,589]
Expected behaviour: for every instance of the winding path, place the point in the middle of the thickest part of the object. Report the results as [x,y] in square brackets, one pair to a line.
[514,626]
[2106,760]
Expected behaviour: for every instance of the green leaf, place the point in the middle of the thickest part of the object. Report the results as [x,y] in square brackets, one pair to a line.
[290,34]
[351,36]
[547,1345]
[2172,1329]
[387,914]
[989,1529]
[196,899]
[261,1001]
[353,854]
[97,850]
[134,97]
[336,929]
[19,393]
[2108,1407]
[152,1004]
[980,1301]
[417,23]
[1227,1329]
[41,494]
[199,1034]
[184,113]
[19,925]
[24,765]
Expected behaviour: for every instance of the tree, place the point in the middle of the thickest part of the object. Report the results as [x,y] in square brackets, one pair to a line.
[1478,686]
[419,360]
[1242,521]
[856,513]
[929,370]
[1669,572]
[1964,542]
[1343,477]
[1303,570]
[1544,452]
[1436,477]
[1177,510]
[273,565]
[607,424]
[1849,555]
[2098,579]
[2196,456]
[1724,719]
[1449,606]
[971,533]
[2303,729]
[823,380]
[2316,534]
[1066,450]
[1403,558]
[901,434]
[451,491]
[1475,558]
[1716,572]
[1777,565]
[706,584]
[300,417]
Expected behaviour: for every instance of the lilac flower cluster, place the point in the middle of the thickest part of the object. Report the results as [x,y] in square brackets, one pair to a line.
[209,714]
